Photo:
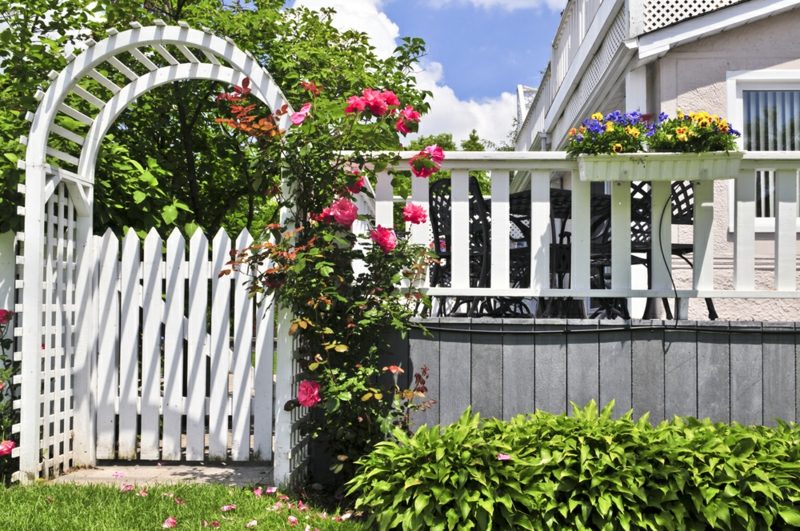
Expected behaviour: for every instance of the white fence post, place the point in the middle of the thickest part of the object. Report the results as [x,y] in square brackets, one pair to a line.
[7,270]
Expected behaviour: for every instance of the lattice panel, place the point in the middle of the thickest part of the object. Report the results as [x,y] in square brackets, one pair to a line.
[662,13]
[56,400]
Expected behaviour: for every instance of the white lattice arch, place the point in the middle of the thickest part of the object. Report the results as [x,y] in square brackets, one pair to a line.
[56,181]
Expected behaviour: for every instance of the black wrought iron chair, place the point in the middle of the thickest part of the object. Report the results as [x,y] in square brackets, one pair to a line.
[440,204]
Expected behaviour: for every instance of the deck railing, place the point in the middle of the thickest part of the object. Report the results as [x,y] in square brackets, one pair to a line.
[540,167]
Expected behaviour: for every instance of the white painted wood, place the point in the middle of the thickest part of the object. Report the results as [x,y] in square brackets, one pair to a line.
[75,113]
[661,254]
[541,235]
[163,52]
[130,302]
[581,236]
[88,96]
[196,358]
[187,53]
[744,244]
[7,270]
[220,348]
[103,80]
[66,134]
[122,68]
[152,314]
[108,344]
[241,365]
[142,58]
[703,271]
[284,392]
[459,225]
[384,201]
[262,379]
[420,234]
[501,225]
[173,402]
[786,230]
[621,235]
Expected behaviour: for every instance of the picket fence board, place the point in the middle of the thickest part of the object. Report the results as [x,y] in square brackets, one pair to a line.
[151,347]
[220,348]
[242,343]
[196,356]
[107,344]
[175,272]
[130,301]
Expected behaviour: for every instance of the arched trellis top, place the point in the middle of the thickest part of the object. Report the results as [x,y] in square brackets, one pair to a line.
[223,61]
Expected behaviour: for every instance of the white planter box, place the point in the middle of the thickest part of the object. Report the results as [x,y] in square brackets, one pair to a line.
[660,166]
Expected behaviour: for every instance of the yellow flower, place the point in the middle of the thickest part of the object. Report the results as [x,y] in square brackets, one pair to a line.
[617,148]
[632,131]
[681,130]
[681,115]
[597,116]
[609,127]
[682,138]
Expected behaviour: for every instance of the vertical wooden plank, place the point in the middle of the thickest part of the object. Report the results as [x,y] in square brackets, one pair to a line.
[130,300]
[424,352]
[550,392]
[786,230]
[518,368]
[262,377]
[621,236]
[175,270]
[680,371]
[661,227]
[421,233]
[284,391]
[779,372]
[384,202]
[487,367]
[648,370]
[703,278]
[455,368]
[108,345]
[501,224]
[459,226]
[241,365]
[583,363]
[746,375]
[713,373]
[541,235]
[196,344]
[744,246]
[581,234]
[615,368]
[220,350]
[152,310]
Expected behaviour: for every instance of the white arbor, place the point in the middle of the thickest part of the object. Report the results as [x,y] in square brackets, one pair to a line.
[59,311]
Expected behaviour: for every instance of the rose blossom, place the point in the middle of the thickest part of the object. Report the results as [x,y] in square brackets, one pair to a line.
[407,121]
[6,447]
[435,152]
[375,102]
[5,316]
[344,212]
[414,213]
[300,116]
[385,238]
[426,162]
[358,185]
[355,104]
[308,393]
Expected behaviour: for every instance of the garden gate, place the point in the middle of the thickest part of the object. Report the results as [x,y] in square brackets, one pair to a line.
[80,325]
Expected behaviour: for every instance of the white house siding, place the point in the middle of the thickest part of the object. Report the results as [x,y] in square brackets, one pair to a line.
[693,77]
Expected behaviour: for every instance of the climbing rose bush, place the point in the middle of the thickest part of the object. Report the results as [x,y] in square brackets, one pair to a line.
[7,444]
[331,266]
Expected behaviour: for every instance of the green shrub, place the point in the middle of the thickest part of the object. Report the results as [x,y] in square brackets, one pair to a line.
[587,471]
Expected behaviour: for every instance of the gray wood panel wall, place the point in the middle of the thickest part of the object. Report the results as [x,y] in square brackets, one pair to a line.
[727,371]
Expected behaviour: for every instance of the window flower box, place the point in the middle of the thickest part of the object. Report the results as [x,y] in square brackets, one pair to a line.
[660,166]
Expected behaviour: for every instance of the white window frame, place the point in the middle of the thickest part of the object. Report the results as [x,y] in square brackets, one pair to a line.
[737,82]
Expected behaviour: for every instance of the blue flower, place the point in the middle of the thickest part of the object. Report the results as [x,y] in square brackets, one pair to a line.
[662,117]
[615,117]
[579,138]
[634,117]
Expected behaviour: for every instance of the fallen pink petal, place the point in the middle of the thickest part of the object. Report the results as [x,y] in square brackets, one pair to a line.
[271,490]
[292,520]
[258,492]
[251,523]
[125,487]
[170,523]
[226,508]
[142,493]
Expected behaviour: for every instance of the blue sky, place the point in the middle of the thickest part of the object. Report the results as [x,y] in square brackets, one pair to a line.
[484,50]
[478,51]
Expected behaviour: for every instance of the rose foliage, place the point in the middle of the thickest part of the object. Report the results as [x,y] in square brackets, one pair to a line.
[330,266]
[7,444]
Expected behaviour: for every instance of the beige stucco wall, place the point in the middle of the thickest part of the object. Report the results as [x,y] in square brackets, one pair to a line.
[693,77]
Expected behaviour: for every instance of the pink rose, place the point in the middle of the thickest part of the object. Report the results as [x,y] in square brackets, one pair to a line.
[355,104]
[300,116]
[414,213]
[358,185]
[407,121]
[390,98]
[308,393]
[385,238]
[375,102]
[169,523]
[435,152]
[5,316]
[344,212]
[6,447]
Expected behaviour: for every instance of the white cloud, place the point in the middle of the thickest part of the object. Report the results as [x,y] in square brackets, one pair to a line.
[510,5]
[492,117]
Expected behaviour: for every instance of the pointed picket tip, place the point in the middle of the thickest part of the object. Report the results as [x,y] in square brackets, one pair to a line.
[109,233]
[175,236]
[244,239]
[221,237]
[153,237]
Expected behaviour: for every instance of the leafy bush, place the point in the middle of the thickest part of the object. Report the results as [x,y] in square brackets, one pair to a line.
[587,471]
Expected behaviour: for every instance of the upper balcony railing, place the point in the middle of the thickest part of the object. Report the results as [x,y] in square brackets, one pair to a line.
[527,229]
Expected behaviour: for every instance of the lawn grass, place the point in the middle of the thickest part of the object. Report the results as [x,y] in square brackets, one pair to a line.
[48,507]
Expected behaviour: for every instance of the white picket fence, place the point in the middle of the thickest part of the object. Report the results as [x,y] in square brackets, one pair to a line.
[184,356]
